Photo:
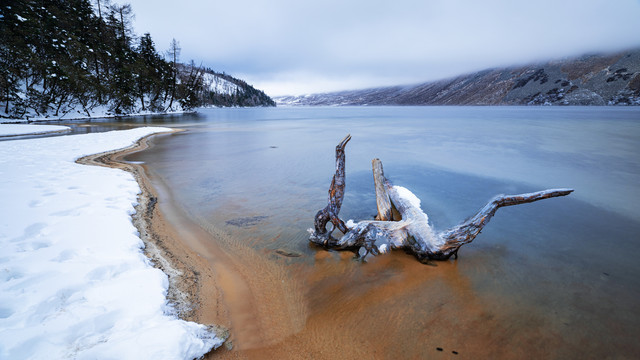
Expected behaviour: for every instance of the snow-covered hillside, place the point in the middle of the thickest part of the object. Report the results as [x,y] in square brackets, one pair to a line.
[223,90]
[606,79]
[219,85]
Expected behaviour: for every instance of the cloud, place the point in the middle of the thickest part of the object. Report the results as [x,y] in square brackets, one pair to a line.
[362,42]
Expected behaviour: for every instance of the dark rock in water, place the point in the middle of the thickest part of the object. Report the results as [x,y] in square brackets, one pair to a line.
[288,253]
[246,221]
[151,205]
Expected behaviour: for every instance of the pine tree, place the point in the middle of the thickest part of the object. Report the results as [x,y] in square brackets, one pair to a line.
[121,59]
[60,55]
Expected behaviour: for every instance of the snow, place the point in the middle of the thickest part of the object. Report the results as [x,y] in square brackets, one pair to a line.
[408,196]
[24,129]
[428,237]
[74,282]
[219,85]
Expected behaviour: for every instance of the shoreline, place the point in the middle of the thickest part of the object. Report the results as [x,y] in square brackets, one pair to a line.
[208,283]
[10,131]
[192,282]
[36,120]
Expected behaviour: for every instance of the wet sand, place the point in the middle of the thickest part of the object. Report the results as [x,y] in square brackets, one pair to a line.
[390,307]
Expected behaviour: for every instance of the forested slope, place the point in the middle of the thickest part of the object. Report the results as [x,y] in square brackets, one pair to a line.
[62,57]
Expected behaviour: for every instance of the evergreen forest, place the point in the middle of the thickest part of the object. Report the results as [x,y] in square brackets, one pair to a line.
[62,56]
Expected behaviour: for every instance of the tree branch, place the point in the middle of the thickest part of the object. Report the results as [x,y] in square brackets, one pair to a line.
[465,232]
[336,196]
[382,198]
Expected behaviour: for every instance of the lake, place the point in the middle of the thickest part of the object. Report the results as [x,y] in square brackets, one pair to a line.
[559,278]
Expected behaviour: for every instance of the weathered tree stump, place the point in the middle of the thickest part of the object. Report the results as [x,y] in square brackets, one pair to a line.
[336,195]
[401,223]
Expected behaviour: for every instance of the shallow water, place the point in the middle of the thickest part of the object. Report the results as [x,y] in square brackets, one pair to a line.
[555,279]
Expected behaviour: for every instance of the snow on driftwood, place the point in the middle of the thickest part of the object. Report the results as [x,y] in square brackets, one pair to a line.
[401,223]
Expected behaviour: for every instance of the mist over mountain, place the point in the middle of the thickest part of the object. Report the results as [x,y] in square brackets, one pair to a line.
[595,79]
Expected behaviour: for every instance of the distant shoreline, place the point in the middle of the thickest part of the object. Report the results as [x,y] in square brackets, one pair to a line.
[97,116]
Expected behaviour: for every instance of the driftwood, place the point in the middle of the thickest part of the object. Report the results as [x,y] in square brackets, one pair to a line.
[401,223]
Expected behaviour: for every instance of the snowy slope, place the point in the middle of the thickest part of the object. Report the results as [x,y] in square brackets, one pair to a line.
[74,282]
[219,85]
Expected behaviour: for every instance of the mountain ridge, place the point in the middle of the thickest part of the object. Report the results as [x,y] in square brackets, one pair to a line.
[594,79]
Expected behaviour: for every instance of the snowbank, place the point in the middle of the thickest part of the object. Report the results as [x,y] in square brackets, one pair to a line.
[24,129]
[74,282]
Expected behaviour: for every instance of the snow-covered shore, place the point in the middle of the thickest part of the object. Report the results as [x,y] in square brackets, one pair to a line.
[27,129]
[98,112]
[74,282]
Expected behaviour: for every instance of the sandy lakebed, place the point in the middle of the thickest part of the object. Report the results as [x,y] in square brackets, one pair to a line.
[207,286]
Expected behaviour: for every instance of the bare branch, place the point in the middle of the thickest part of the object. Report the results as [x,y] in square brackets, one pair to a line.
[465,232]
[336,196]
[382,198]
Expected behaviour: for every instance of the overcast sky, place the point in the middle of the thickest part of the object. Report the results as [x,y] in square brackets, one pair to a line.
[297,46]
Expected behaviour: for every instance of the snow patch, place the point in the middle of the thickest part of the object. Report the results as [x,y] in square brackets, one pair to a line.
[407,195]
[24,129]
[74,281]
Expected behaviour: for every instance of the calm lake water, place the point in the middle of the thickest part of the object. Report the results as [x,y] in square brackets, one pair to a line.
[559,278]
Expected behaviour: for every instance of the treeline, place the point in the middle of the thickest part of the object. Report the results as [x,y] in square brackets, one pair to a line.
[58,56]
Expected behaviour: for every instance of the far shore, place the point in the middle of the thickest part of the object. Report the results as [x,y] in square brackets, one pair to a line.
[36,120]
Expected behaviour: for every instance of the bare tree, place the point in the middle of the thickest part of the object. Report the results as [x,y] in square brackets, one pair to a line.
[174,55]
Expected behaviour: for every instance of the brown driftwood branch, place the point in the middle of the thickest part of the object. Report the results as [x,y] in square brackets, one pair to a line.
[336,195]
[401,223]
[385,209]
